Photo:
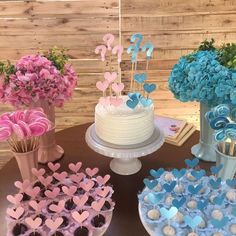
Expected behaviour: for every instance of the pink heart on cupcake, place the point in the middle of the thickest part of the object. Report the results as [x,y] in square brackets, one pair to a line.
[104,101]
[45,181]
[103,180]
[33,223]
[117,87]
[60,176]
[91,172]
[77,178]
[80,201]
[16,199]
[52,193]
[22,185]
[39,172]
[38,206]
[87,185]
[57,208]
[54,224]
[54,167]
[70,191]
[110,77]
[75,167]
[102,86]
[15,213]
[97,205]
[102,192]
[116,101]
[80,218]
[33,192]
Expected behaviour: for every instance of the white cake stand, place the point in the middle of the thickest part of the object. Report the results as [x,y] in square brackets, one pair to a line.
[125,157]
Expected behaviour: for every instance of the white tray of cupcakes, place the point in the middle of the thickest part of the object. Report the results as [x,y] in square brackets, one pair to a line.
[63,203]
[187,202]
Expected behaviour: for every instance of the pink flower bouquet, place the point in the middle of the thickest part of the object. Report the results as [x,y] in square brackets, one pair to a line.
[22,129]
[37,77]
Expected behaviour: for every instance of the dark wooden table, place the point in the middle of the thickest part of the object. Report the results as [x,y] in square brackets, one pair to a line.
[125,220]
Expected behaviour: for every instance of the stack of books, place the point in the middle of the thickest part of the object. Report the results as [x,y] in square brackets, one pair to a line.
[176,131]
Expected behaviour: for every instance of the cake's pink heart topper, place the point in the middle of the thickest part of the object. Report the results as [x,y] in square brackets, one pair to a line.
[110,77]
[33,192]
[87,185]
[103,180]
[91,172]
[60,176]
[97,205]
[80,218]
[39,172]
[102,85]
[77,178]
[80,201]
[57,208]
[115,101]
[38,206]
[53,167]
[102,192]
[45,181]
[104,101]
[75,167]
[117,87]
[15,213]
[33,223]
[16,199]
[70,191]
[54,224]
[52,193]
[22,185]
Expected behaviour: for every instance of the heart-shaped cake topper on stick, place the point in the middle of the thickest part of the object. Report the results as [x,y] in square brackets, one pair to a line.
[87,185]
[54,224]
[102,180]
[80,200]
[39,172]
[91,172]
[70,191]
[97,205]
[103,192]
[22,186]
[52,193]
[15,213]
[75,167]
[60,176]
[110,76]
[80,218]
[16,199]
[77,178]
[33,192]
[192,222]
[45,181]
[33,223]
[57,208]
[192,163]
[168,213]
[54,167]
[38,206]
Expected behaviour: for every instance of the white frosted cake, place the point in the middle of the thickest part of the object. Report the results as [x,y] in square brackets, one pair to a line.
[122,125]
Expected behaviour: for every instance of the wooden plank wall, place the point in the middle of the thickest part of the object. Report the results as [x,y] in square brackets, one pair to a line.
[175,27]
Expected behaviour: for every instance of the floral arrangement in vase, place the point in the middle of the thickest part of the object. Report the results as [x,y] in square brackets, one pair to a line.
[22,130]
[45,81]
[222,120]
[207,76]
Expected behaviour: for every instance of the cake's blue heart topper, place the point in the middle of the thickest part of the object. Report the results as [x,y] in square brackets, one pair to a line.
[133,96]
[192,163]
[198,174]
[149,48]
[140,78]
[169,187]
[179,203]
[146,102]
[157,173]
[132,103]
[215,184]
[201,205]
[231,182]
[218,200]
[155,198]
[195,189]
[168,213]
[149,88]
[150,183]
[192,222]
[178,173]
[216,169]
[219,224]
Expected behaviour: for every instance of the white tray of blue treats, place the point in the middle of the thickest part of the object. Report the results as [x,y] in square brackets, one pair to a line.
[186,202]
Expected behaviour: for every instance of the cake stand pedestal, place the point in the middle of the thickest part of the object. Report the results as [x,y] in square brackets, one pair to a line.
[125,157]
